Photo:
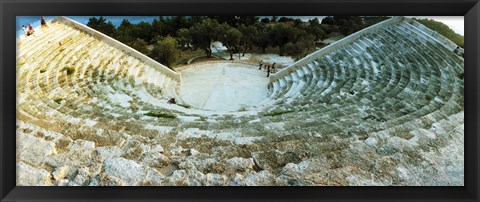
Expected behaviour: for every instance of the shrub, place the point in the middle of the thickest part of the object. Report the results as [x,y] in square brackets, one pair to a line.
[139,45]
[165,51]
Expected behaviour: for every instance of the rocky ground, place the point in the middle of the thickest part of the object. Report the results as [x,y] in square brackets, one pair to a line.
[194,157]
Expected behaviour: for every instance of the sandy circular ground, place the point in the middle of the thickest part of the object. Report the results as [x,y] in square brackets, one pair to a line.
[223,86]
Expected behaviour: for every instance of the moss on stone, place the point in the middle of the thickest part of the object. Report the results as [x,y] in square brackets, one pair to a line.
[161,115]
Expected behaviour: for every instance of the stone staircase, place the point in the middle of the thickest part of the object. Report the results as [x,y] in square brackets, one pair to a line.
[383,106]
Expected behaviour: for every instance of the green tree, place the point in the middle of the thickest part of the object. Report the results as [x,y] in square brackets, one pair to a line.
[249,34]
[265,20]
[283,33]
[156,29]
[101,25]
[293,49]
[286,19]
[263,39]
[204,33]
[126,32]
[247,20]
[170,25]
[306,42]
[230,20]
[328,20]
[344,24]
[165,51]
[371,20]
[145,31]
[179,22]
[349,24]
[184,39]
[230,38]
[315,28]
[193,20]
[274,19]
[139,45]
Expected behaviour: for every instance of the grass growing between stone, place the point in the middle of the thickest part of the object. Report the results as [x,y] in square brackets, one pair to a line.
[68,69]
[243,109]
[161,115]
[185,105]
[277,113]
[58,100]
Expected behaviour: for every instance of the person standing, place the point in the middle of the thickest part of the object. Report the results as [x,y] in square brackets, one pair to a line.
[268,71]
[30,30]
[43,22]
[273,67]
[261,63]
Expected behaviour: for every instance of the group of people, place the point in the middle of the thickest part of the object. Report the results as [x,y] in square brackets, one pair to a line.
[269,68]
[29,29]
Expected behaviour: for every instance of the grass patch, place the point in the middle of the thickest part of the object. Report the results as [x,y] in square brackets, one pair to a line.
[276,113]
[68,69]
[58,100]
[161,115]
[242,109]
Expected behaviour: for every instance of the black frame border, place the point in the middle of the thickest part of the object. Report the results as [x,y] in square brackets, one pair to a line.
[10,8]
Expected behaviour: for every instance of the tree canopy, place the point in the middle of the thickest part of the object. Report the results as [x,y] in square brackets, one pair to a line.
[165,51]
[101,25]
[444,30]
[285,35]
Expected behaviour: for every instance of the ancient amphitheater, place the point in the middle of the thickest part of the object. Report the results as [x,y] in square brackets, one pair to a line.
[383,106]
